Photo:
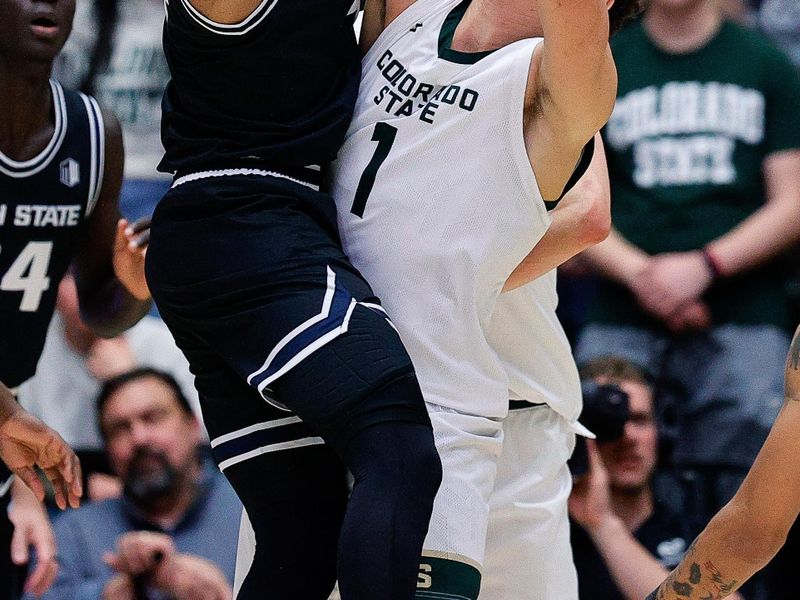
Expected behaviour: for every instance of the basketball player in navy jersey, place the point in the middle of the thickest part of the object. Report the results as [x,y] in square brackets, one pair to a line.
[60,172]
[298,367]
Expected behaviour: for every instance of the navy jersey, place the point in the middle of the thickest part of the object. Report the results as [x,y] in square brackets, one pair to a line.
[44,203]
[280,86]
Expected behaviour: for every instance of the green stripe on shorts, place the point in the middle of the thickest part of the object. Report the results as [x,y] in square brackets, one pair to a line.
[443,579]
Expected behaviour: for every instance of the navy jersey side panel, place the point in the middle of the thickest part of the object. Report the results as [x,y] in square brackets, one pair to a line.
[44,203]
[280,86]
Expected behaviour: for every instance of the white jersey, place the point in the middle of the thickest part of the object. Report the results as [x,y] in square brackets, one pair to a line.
[438,204]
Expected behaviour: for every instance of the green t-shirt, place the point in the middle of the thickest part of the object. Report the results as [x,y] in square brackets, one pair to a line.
[685,146]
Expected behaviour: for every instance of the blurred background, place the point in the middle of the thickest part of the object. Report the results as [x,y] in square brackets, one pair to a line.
[680,321]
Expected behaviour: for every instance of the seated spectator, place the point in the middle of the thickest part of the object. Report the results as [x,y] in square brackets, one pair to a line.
[704,163]
[613,508]
[83,361]
[174,532]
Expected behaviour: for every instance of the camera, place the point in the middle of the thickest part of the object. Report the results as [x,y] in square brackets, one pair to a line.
[606,409]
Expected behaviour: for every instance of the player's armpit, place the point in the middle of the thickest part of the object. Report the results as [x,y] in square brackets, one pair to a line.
[571,88]
[581,219]
[573,74]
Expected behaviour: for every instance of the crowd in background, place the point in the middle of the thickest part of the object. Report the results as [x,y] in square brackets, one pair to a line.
[687,308]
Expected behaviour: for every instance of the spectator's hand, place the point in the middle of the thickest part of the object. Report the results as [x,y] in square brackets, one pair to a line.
[119,587]
[32,528]
[672,280]
[188,577]
[139,552]
[590,501]
[25,441]
[102,487]
[130,247]
[110,357]
[692,316]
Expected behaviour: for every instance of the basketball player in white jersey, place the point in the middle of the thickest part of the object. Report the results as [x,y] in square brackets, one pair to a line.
[467,124]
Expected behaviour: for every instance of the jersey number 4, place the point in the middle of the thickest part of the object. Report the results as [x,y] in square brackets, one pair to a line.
[384,134]
[28,274]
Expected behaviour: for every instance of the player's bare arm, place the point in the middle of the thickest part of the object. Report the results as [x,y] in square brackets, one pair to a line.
[748,532]
[571,88]
[107,305]
[226,11]
[377,16]
[581,219]
[26,442]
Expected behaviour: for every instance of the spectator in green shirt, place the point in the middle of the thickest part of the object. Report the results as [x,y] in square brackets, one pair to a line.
[704,157]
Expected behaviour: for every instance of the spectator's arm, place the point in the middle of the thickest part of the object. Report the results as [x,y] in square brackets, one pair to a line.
[32,530]
[752,527]
[617,259]
[772,228]
[76,580]
[107,306]
[581,219]
[632,567]
[670,283]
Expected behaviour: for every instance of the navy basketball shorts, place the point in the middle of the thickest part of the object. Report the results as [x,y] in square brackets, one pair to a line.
[288,344]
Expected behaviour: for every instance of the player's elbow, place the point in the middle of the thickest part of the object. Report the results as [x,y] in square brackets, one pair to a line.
[596,214]
[597,227]
[759,545]
[755,539]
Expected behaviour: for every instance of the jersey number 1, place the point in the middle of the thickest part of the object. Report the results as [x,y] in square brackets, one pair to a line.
[28,274]
[384,134]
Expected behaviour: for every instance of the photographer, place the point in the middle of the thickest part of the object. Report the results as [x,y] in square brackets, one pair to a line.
[623,539]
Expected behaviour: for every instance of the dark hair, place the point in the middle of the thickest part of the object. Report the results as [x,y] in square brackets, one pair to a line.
[107,14]
[623,11]
[114,384]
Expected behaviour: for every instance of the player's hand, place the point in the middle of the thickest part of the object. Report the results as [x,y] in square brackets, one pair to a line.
[189,577]
[590,500]
[32,529]
[140,552]
[130,248]
[671,280]
[119,587]
[25,441]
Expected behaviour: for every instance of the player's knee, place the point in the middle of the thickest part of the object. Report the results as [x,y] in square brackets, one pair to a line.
[397,458]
